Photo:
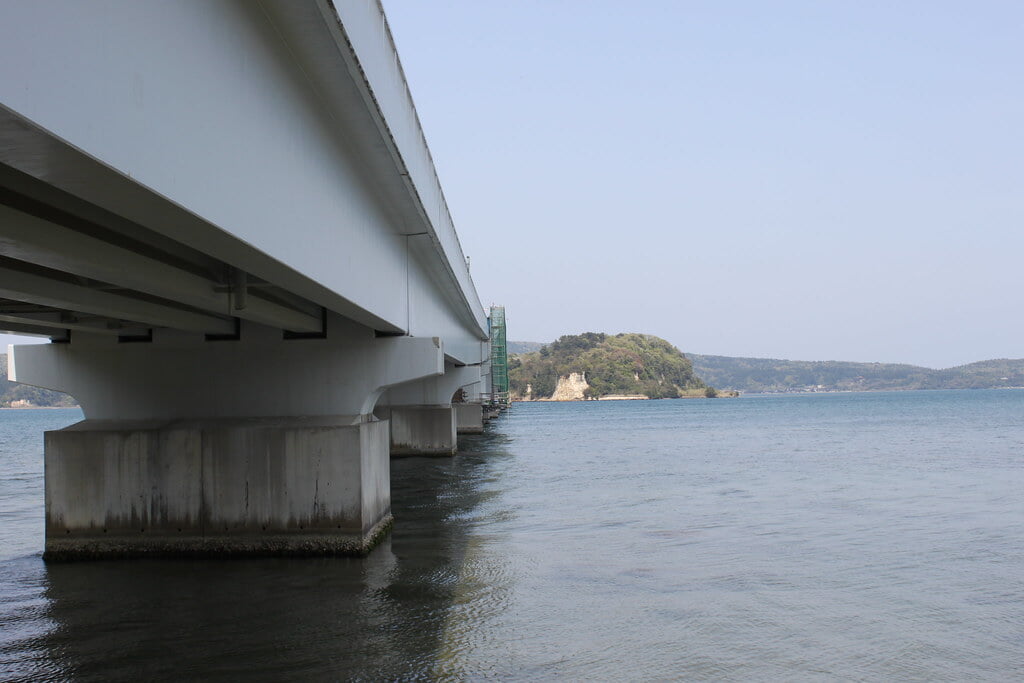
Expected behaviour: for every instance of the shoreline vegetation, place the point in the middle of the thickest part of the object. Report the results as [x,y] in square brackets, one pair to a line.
[776,376]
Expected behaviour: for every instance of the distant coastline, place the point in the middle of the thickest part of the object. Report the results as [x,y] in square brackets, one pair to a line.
[618,398]
[779,376]
[35,407]
[776,376]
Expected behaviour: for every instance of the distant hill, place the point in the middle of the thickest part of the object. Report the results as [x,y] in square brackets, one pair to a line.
[638,364]
[770,375]
[17,395]
[523,346]
[596,365]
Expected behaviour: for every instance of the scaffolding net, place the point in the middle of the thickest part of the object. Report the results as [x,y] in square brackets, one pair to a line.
[499,357]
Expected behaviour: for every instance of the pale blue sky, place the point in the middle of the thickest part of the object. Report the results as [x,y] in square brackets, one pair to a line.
[809,180]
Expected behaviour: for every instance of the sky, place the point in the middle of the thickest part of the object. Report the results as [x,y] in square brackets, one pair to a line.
[809,180]
[805,180]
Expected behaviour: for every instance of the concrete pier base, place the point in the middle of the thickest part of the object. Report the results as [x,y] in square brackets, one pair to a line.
[294,486]
[421,430]
[469,418]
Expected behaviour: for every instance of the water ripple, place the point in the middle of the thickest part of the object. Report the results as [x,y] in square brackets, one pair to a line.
[853,537]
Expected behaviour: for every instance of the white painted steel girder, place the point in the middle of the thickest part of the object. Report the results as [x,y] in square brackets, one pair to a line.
[34,240]
[282,142]
[46,291]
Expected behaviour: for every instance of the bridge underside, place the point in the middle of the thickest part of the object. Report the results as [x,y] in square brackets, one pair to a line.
[244,260]
[226,414]
[260,443]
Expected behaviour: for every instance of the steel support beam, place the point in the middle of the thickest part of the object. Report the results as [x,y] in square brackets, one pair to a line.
[21,328]
[28,238]
[57,321]
[45,291]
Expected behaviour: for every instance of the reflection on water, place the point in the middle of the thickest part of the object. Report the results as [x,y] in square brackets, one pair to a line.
[866,537]
[393,614]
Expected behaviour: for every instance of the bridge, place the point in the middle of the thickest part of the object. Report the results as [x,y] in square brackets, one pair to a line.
[225,216]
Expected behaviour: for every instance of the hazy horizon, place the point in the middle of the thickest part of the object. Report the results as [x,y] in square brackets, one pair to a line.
[786,180]
[691,352]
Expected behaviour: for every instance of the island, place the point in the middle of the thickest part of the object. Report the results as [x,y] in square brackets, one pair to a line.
[598,366]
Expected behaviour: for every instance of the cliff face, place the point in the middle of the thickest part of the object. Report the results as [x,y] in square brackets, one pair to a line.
[594,365]
[572,387]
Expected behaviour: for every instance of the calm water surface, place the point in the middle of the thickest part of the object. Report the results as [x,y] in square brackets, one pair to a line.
[842,536]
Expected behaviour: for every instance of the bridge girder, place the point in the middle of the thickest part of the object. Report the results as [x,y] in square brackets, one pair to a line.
[322,79]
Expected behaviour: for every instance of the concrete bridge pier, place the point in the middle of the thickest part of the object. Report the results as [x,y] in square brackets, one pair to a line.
[469,406]
[424,421]
[421,429]
[216,487]
[469,417]
[258,445]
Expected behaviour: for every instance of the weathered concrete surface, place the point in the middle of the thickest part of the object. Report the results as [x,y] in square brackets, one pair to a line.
[421,430]
[437,390]
[219,487]
[469,418]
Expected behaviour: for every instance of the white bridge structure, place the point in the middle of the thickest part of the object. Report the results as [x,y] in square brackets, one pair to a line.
[225,216]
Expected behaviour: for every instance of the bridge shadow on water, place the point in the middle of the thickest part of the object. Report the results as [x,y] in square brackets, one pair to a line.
[391,615]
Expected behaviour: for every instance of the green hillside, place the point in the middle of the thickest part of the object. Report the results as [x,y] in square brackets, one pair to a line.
[763,375]
[523,346]
[621,364]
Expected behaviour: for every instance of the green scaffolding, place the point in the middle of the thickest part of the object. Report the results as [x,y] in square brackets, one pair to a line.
[499,357]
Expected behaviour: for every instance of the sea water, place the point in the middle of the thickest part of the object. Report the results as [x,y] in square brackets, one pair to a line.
[811,537]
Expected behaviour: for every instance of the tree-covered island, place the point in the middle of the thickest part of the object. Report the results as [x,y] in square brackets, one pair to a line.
[594,365]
